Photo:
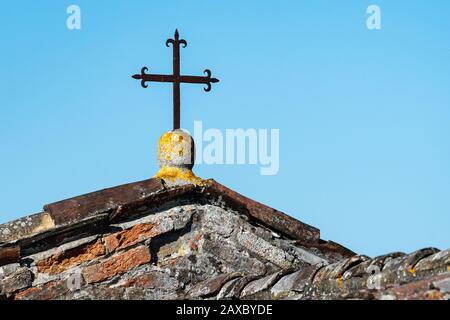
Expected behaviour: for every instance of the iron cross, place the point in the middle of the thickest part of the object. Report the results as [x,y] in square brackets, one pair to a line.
[176,78]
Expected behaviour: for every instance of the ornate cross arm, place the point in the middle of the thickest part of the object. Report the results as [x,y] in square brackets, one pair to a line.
[197,79]
[145,77]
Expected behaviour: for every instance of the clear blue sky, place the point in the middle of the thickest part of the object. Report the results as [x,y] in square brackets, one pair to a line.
[364,116]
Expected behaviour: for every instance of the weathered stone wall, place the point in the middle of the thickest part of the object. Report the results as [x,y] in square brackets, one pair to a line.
[208,251]
[147,240]
[158,254]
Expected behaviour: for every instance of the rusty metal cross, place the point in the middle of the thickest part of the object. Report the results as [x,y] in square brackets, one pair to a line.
[176,78]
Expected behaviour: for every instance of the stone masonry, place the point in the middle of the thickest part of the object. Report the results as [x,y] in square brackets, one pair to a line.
[149,241]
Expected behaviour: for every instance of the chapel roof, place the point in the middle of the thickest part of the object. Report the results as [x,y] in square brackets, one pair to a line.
[195,241]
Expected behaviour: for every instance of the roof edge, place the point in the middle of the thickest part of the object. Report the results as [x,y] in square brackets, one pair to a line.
[118,203]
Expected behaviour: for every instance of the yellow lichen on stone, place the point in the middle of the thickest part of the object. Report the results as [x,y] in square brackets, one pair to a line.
[166,144]
[176,149]
[170,142]
[412,270]
[174,175]
[176,153]
[340,282]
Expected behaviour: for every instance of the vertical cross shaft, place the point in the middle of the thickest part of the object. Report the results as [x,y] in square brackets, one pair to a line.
[176,82]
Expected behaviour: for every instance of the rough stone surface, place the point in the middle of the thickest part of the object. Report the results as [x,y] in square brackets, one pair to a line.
[293,283]
[8,269]
[148,241]
[442,285]
[26,227]
[19,279]
[265,250]
[260,284]
[211,286]
[234,288]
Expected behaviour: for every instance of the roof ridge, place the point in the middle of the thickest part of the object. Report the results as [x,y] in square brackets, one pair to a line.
[104,207]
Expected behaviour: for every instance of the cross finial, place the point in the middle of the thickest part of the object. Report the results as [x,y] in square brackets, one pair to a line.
[176,78]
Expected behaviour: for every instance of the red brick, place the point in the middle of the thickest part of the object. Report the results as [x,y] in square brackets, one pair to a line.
[127,238]
[48,291]
[70,258]
[117,264]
